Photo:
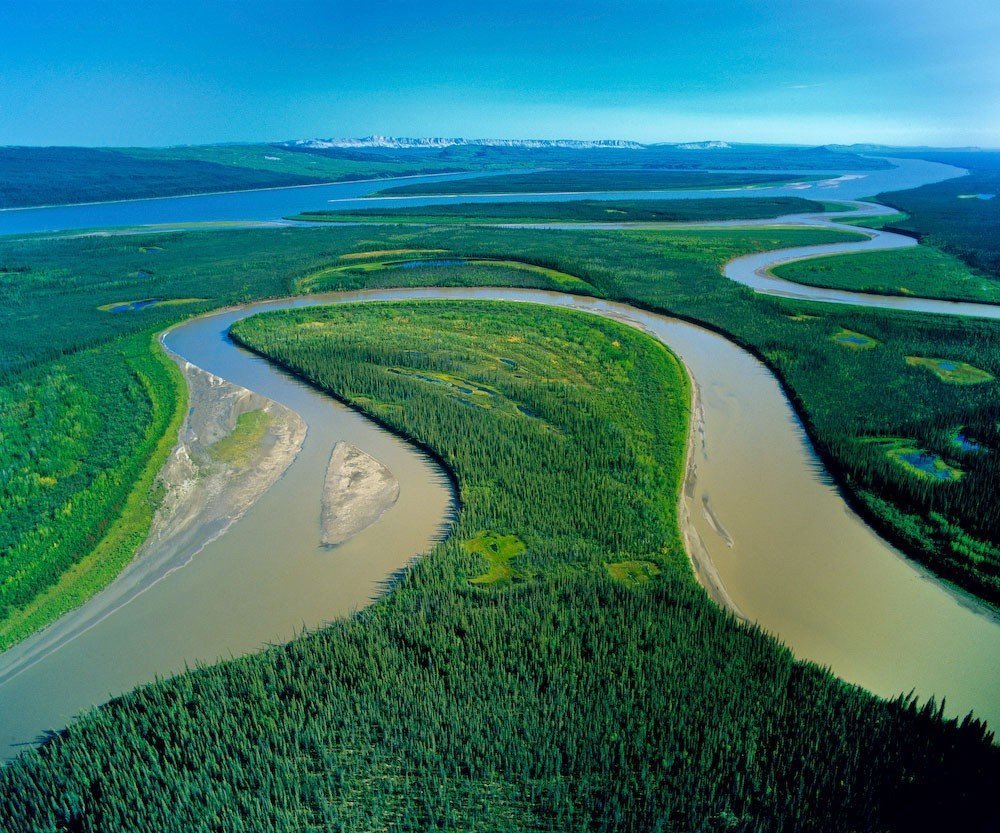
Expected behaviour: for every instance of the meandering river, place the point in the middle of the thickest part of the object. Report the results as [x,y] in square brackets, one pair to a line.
[784,549]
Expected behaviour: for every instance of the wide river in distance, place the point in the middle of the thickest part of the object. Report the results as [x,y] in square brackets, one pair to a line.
[273,204]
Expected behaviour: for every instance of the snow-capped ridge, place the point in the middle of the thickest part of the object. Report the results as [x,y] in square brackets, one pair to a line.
[399,143]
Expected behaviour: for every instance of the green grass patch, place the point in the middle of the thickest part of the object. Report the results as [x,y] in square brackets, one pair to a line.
[853,339]
[920,462]
[499,551]
[633,573]
[951,371]
[244,440]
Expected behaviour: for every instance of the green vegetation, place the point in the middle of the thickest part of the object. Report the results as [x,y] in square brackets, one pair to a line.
[966,228]
[582,211]
[427,272]
[583,181]
[563,701]
[245,438]
[54,287]
[83,440]
[877,222]
[920,271]
[44,176]
[953,372]
[917,461]
[498,551]
[48,176]
[633,573]
[853,340]
[389,253]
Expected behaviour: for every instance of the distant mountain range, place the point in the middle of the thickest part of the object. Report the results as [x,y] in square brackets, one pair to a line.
[399,143]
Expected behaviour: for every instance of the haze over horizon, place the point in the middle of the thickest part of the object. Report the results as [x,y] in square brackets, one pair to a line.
[186,73]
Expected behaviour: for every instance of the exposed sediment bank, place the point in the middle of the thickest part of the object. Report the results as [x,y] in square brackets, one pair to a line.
[205,490]
[358,491]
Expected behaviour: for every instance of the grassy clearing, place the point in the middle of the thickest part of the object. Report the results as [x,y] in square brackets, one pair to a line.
[499,551]
[854,340]
[919,462]
[952,372]
[243,442]
[633,573]
[918,271]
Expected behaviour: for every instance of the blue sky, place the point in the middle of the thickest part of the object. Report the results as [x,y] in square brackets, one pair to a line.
[111,73]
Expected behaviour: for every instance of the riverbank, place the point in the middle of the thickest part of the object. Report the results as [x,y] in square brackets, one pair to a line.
[216,470]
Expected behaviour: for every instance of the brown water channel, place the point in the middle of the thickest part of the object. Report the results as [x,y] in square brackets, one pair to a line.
[770,535]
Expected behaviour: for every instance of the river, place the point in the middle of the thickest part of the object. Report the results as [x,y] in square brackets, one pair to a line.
[788,552]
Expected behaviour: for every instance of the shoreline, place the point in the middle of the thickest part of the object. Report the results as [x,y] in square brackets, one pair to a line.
[230,191]
[203,499]
[702,565]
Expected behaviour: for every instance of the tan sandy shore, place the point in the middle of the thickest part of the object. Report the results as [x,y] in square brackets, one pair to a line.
[358,491]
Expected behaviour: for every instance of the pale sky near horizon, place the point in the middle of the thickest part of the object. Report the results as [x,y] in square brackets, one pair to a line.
[116,73]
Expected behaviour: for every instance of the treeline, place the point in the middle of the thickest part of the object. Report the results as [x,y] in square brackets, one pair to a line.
[950,215]
[562,702]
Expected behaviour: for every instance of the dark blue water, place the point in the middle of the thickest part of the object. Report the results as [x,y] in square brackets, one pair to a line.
[967,444]
[131,306]
[925,462]
[274,204]
[416,264]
